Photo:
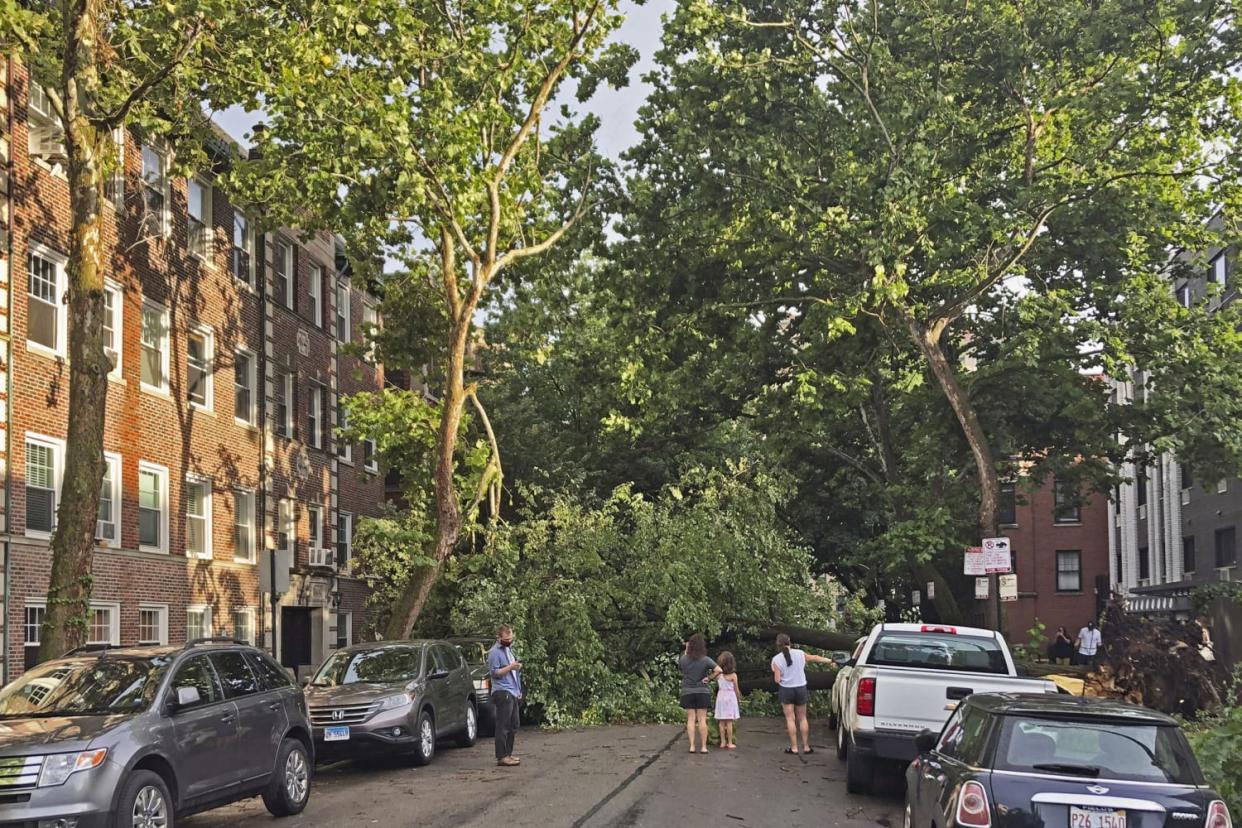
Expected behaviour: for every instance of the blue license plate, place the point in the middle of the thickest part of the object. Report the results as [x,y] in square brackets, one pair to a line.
[335,734]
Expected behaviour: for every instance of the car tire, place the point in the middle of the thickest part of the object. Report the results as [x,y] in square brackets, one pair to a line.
[145,796]
[289,790]
[842,741]
[907,820]
[424,739]
[470,732]
[858,773]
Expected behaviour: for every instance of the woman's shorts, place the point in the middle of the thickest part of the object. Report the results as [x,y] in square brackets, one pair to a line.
[793,695]
[696,701]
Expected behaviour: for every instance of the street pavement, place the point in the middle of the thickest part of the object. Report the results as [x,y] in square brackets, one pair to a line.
[609,777]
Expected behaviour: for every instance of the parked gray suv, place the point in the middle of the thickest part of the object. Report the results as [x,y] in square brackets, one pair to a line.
[392,696]
[139,737]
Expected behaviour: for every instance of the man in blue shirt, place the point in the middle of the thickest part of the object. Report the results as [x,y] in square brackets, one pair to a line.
[506,691]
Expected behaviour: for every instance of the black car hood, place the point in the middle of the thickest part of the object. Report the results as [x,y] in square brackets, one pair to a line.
[53,734]
[1035,801]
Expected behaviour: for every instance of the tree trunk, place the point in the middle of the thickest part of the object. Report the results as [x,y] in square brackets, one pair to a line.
[927,338]
[815,680]
[822,639]
[73,542]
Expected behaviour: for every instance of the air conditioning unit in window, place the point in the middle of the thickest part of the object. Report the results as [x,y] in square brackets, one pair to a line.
[105,531]
[48,143]
[320,556]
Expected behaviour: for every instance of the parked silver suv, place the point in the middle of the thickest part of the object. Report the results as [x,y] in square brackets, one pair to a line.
[392,696]
[140,737]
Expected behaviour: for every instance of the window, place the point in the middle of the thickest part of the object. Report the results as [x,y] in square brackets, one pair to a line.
[197,622]
[314,516]
[284,525]
[369,461]
[1067,508]
[1188,479]
[114,300]
[235,674]
[44,459]
[316,295]
[344,449]
[284,275]
[1183,295]
[1219,273]
[1069,570]
[46,315]
[370,327]
[284,404]
[1188,554]
[314,415]
[344,629]
[1007,509]
[243,625]
[344,540]
[1144,564]
[243,387]
[243,526]
[47,139]
[102,626]
[197,673]
[108,523]
[938,651]
[152,507]
[270,674]
[243,244]
[199,224]
[199,358]
[342,312]
[197,518]
[116,181]
[1140,485]
[152,623]
[154,347]
[154,191]
[34,632]
[1226,549]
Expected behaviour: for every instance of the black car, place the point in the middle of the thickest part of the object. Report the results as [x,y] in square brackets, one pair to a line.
[1052,761]
[474,650]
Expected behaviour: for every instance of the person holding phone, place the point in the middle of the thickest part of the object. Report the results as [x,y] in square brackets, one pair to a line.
[506,673]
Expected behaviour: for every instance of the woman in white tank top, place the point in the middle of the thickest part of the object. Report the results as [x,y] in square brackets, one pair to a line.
[789,672]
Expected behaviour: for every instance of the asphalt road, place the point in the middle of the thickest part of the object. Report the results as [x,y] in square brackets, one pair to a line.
[613,777]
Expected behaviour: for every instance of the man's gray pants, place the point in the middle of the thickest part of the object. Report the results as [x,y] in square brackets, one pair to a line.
[506,722]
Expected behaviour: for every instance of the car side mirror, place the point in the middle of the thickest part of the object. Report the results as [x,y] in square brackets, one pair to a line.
[925,742]
[305,681]
[186,697]
[840,658]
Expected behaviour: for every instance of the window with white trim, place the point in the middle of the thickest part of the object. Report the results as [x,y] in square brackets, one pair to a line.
[154,347]
[315,289]
[285,528]
[282,260]
[344,629]
[243,248]
[344,540]
[342,312]
[200,359]
[1069,570]
[152,507]
[33,630]
[344,448]
[1183,295]
[284,404]
[244,397]
[114,303]
[103,624]
[46,140]
[45,457]
[152,623]
[314,415]
[370,327]
[197,622]
[198,218]
[243,526]
[370,462]
[314,516]
[197,518]
[243,625]
[115,187]
[108,521]
[1219,271]
[46,315]
[155,191]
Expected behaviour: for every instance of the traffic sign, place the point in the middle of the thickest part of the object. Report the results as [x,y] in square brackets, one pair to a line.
[1008,587]
[996,557]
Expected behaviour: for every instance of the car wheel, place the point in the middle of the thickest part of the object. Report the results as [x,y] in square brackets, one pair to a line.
[907,821]
[424,739]
[470,732]
[289,789]
[842,741]
[858,772]
[145,802]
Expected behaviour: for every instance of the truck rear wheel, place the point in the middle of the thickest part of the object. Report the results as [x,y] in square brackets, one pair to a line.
[858,772]
[841,741]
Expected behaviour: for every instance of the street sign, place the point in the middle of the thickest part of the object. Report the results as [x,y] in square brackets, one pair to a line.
[1008,587]
[931,590]
[996,555]
[981,588]
[974,561]
[915,598]
[280,566]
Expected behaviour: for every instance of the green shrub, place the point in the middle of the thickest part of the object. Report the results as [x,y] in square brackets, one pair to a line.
[1218,744]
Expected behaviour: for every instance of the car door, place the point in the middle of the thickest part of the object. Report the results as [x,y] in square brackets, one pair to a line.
[258,714]
[204,733]
[450,716]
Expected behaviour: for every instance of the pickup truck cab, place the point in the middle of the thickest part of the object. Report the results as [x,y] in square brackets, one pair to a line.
[911,677]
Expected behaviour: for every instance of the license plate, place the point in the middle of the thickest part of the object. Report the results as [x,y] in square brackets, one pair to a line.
[341,734]
[1097,818]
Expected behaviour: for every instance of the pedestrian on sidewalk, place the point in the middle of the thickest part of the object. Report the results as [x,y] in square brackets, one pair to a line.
[1088,644]
[727,708]
[697,671]
[789,672]
[1062,647]
[506,693]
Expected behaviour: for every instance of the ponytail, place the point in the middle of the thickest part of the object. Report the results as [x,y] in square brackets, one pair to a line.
[782,641]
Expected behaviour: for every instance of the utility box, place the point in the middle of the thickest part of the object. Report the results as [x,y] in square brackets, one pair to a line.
[283,559]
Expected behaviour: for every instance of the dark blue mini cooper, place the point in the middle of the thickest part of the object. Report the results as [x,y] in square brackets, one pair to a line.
[1052,761]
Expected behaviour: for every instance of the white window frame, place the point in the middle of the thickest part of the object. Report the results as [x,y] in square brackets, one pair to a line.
[197,480]
[201,247]
[1219,273]
[1183,295]
[283,391]
[160,184]
[251,387]
[349,629]
[249,613]
[114,622]
[209,367]
[370,460]
[162,388]
[161,611]
[315,289]
[116,181]
[314,415]
[343,321]
[286,524]
[59,262]
[344,562]
[344,448]
[36,604]
[287,275]
[208,629]
[247,247]
[114,291]
[45,140]
[371,324]
[113,463]
[160,472]
[58,474]
[314,520]
[249,524]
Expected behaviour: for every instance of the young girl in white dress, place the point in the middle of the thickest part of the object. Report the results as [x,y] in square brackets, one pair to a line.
[727,711]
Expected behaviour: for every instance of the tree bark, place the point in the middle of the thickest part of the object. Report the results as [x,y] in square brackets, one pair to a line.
[73,541]
[821,639]
[815,680]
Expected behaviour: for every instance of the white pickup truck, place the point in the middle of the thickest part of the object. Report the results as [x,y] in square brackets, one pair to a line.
[910,677]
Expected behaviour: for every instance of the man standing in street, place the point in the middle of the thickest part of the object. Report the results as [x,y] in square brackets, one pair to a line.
[506,692]
[1088,644]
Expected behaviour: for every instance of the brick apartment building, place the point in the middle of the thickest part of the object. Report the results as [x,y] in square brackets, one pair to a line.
[222,406]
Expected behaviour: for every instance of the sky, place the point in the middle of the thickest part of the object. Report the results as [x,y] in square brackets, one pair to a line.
[616,108]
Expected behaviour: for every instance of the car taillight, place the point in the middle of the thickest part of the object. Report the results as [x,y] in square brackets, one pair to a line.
[1218,816]
[972,806]
[866,697]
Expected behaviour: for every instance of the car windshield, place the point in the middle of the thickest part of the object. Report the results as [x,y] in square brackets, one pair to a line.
[1097,749]
[86,686]
[385,665]
[938,651]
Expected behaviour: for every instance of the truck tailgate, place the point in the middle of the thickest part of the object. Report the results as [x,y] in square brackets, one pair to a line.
[910,700]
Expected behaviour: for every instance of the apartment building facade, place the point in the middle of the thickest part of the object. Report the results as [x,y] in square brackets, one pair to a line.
[222,403]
